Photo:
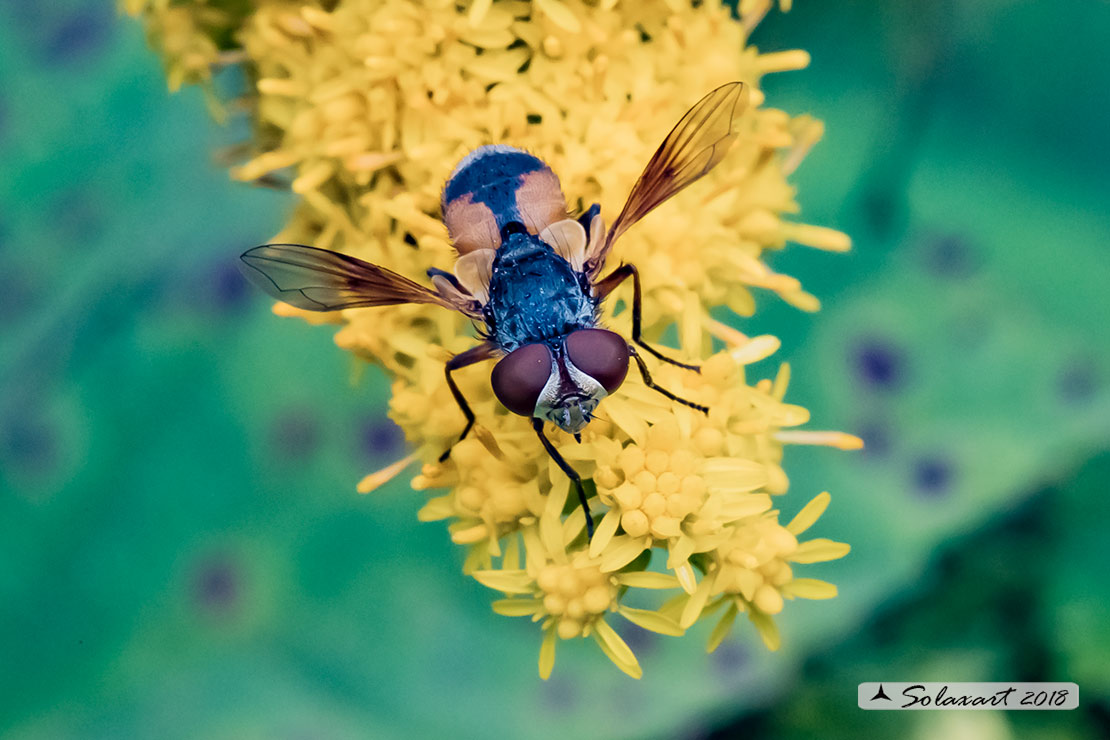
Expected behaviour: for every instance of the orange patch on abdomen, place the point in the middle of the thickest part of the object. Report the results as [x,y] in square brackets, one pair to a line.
[540,201]
[471,225]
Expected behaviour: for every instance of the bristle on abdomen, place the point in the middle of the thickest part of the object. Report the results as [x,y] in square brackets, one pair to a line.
[494,185]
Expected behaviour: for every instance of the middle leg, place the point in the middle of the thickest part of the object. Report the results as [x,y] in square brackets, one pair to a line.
[606,285]
[651,383]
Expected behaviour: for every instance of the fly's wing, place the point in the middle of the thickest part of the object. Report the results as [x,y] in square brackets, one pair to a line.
[693,147]
[320,280]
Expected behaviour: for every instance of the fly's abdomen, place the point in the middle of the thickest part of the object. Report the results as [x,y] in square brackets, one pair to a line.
[494,185]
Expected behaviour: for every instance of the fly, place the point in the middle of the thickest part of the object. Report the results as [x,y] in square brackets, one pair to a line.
[528,273]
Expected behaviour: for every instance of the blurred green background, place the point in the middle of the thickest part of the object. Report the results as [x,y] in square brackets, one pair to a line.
[182,553]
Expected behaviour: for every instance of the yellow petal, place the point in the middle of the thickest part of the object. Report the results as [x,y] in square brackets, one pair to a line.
[665,526]
[573,525]
[756,349]
[477,12]
[603,535]
[509,581]
[679,550]
[547,653]
[511,560]
[477,558]
[488,441]
[782,380]
[782,61]
[673,606]
[839,440]
[740,506]
[264,164]
[650,620]
[818,237]
[684,572]
[561,15]
[493,543]
[733,474]
[470,535]
[517,607]
[551,521]
[819,550]
[767,629]
[801,300]
[646,579]
[437,508]
[809,588]
[616,649]
[627,417]
[696,603]
[313,176]
[622,551]
[809,514]
[535,555]
[722,628]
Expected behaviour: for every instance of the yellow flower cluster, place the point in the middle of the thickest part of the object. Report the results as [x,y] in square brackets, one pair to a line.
[364,107]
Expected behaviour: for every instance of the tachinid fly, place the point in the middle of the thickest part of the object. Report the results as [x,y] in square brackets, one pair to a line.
[529,273]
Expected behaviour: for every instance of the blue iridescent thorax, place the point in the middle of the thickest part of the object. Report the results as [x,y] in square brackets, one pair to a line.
[535,295]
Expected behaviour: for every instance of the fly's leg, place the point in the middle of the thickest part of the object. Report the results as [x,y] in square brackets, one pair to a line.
[537,424]
[606,285]
[651,383]
[483,351]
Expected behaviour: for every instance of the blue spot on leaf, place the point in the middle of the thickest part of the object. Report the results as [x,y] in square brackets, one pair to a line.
[217,585]
[29,443]
[876,439]
[932,476]
[79,33]
[559,694]
[641,641]
[1078,381]
[382,438]
[879,364]
[229,288]
[950,256]
[730,657]
[295,435]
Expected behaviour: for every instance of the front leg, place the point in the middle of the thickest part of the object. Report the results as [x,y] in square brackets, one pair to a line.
[606,285]
[483,351]
[537,424]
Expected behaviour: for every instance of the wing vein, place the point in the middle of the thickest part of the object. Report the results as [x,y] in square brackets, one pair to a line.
[696,144]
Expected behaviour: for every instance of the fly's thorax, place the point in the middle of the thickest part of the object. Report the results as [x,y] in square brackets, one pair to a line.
[534,295]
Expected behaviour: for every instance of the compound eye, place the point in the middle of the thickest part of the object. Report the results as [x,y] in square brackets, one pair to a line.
[601,354]
[519,378]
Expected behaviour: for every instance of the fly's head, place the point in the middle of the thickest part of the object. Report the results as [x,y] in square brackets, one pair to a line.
[563,383]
